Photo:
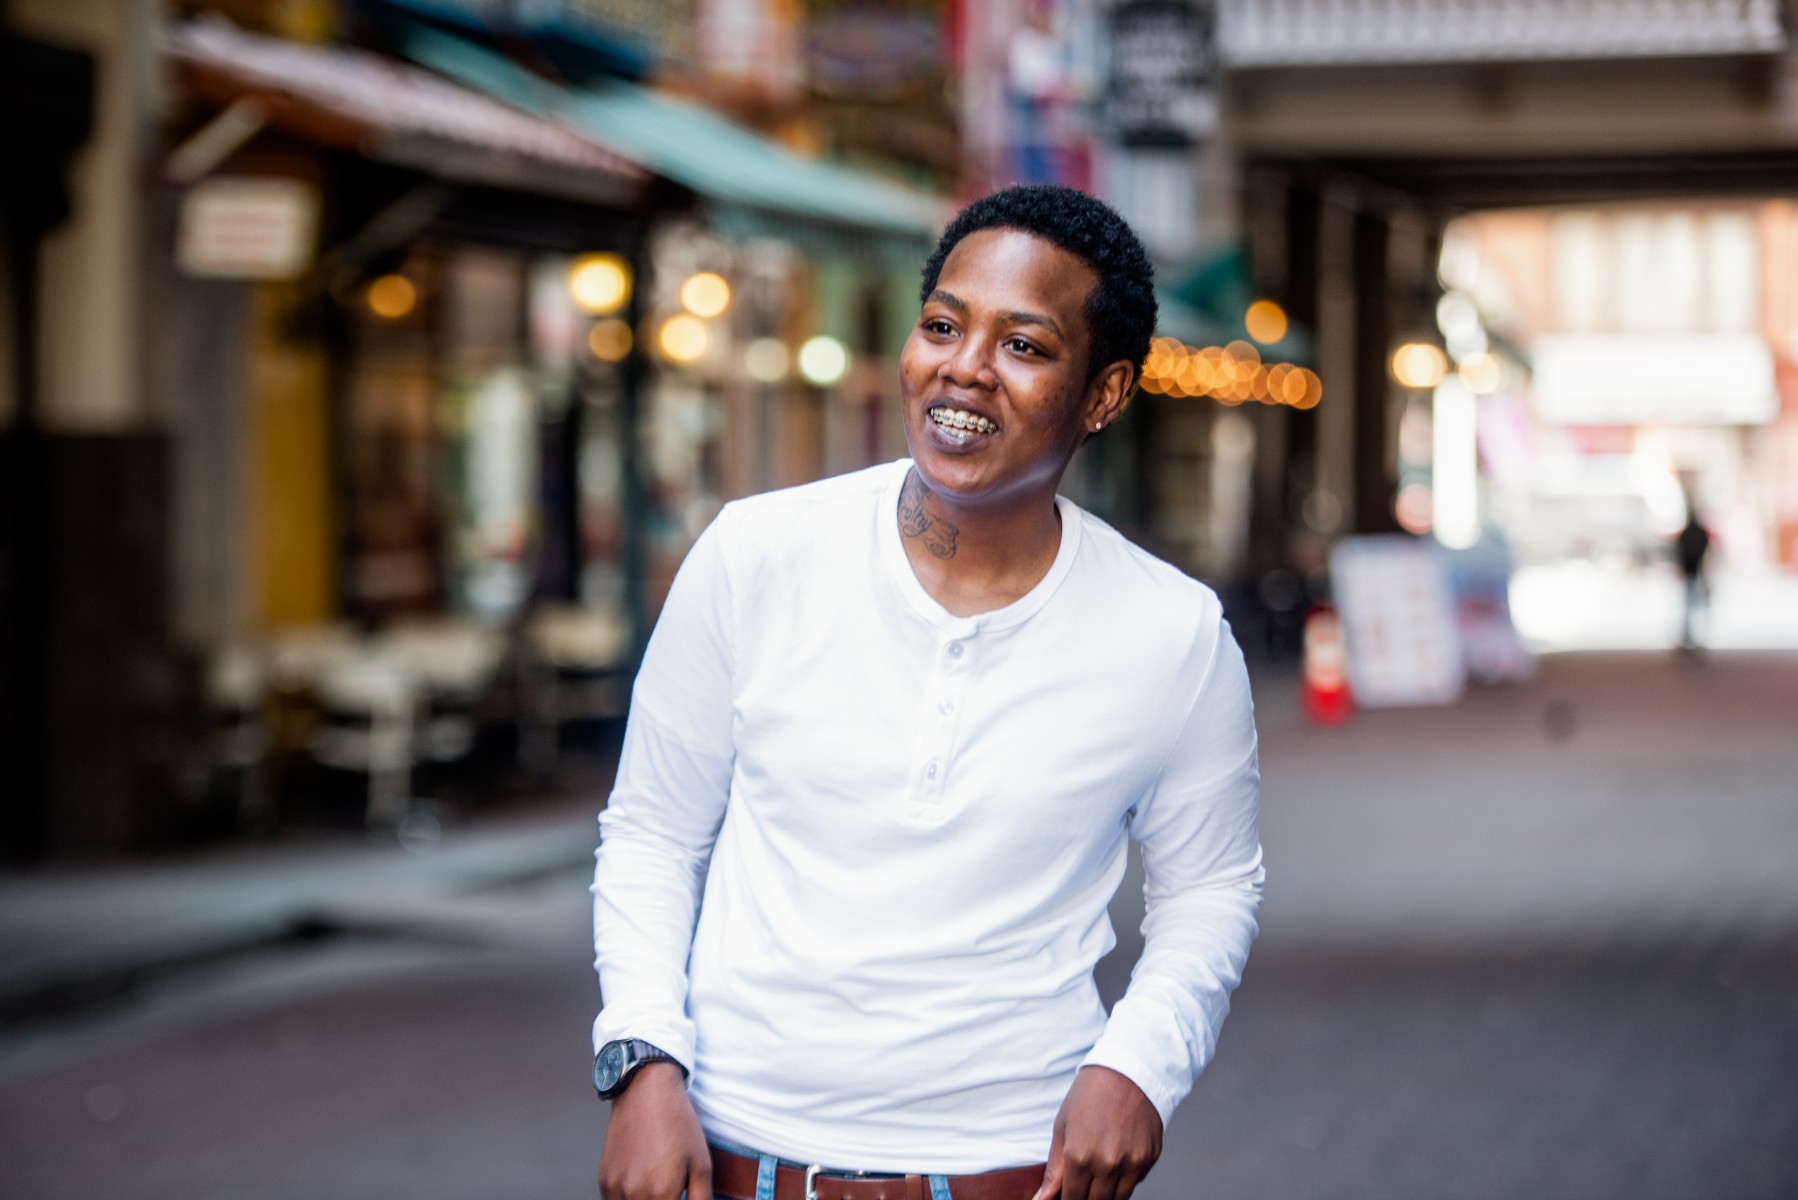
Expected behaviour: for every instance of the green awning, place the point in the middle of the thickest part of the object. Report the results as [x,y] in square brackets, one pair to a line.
[748,185]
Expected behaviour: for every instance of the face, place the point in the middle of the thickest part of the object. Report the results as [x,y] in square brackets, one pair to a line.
[994,374]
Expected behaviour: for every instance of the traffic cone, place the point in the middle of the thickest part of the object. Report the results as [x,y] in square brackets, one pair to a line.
[1324,685]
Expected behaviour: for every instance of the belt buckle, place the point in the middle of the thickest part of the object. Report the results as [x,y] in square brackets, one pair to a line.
[811,1181]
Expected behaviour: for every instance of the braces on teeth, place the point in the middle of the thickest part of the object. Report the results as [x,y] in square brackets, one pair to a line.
[964,421]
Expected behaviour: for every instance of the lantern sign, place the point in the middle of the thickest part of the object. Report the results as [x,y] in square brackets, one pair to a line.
[1163,72]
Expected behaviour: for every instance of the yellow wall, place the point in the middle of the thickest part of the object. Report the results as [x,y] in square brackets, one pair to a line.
[289,525]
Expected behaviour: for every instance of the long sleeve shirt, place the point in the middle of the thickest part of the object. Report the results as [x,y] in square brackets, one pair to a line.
[855,870]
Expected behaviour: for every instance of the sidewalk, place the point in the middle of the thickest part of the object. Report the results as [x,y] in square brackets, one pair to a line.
[72,937]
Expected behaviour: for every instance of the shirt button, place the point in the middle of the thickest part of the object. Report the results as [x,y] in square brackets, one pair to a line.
[946,707]
[955,649]
[930,771]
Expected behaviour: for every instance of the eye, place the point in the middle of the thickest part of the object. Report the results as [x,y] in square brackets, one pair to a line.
[1020,346]
[937,325]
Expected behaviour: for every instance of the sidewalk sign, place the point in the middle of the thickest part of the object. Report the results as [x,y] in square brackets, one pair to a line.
[1398,616]
[1480,578]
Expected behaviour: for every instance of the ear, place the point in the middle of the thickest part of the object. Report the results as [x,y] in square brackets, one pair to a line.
[1106,396]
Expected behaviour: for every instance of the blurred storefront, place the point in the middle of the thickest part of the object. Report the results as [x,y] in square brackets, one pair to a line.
[1658,348]
[447,363]
[412,342]
[1621,369]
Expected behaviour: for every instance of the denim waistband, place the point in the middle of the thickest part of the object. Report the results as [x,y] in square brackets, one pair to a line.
[768,1163]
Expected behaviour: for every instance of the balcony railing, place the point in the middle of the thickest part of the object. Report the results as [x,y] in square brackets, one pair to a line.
[1267,33]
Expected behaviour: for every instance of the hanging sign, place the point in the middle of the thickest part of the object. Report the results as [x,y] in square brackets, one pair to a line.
[247,228]
[1163,72]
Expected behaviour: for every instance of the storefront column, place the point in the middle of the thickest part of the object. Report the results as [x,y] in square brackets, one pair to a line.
[1328,507]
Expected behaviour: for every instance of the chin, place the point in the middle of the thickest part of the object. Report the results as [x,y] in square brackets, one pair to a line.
[965,478]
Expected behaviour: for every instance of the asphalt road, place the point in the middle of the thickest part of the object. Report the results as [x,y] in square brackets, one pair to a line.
[1543,944]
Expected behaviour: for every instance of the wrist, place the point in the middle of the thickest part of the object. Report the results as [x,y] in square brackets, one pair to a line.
[656,1077]
[653,1082]
[620,1061]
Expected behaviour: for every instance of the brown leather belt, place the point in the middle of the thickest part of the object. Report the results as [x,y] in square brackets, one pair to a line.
[734,1177]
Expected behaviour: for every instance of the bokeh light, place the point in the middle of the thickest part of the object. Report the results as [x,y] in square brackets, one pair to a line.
[1483,373]
[1412,508]
[823,360]
[599,283]
[705,294]
[1265,321]
[684,338]
[1419,365]
[392,297]
[610,339]
[1230,375]
[767,360]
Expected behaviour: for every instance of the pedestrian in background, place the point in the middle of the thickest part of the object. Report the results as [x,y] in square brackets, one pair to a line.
[889,743]
[1691,547]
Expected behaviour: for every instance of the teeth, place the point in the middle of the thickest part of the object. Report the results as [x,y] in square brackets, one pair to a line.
[956,419]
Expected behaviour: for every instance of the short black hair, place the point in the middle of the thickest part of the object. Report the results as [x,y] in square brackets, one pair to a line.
[1120,312]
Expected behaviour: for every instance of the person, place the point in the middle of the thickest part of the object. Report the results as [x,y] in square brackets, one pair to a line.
[891,737]
[1690,547]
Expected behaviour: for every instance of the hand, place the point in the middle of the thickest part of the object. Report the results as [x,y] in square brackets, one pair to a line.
[1107,1136]
[654,1147]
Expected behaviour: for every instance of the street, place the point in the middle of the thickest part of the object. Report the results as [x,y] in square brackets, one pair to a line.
[1543,943]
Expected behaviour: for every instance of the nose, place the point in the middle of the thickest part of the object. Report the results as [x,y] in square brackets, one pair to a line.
[971,364]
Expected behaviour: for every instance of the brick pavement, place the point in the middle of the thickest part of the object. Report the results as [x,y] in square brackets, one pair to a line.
[1542,944]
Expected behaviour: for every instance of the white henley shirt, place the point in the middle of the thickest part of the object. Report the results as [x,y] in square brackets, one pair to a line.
[855,870]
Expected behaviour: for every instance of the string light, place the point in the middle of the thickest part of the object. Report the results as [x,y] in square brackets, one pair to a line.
[1231,374]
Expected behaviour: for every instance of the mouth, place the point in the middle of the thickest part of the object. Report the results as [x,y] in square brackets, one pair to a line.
[960,424]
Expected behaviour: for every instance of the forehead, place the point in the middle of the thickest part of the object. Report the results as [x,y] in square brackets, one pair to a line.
[1010,270]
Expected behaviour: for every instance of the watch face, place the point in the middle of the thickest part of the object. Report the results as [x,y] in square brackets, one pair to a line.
[608,1069]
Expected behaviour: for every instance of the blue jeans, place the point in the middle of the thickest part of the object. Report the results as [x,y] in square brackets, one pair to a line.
[764,1179]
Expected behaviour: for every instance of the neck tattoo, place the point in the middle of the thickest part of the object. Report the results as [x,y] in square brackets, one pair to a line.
[937,534]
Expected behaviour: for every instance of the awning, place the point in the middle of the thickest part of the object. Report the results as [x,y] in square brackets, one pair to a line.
[1203,301]
[748,185]
[367,104]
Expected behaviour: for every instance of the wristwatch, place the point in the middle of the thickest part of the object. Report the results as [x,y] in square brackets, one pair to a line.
[617,1061]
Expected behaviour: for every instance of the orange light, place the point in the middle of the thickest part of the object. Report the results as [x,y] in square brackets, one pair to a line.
[1292,388]
[1191,374]
[1314,390]
[1265,321]
[1276,383]
[610,339]
[1258,385]
[391,297]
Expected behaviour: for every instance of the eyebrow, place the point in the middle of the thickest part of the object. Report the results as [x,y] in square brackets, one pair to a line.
[1030,318]
[1017,317]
